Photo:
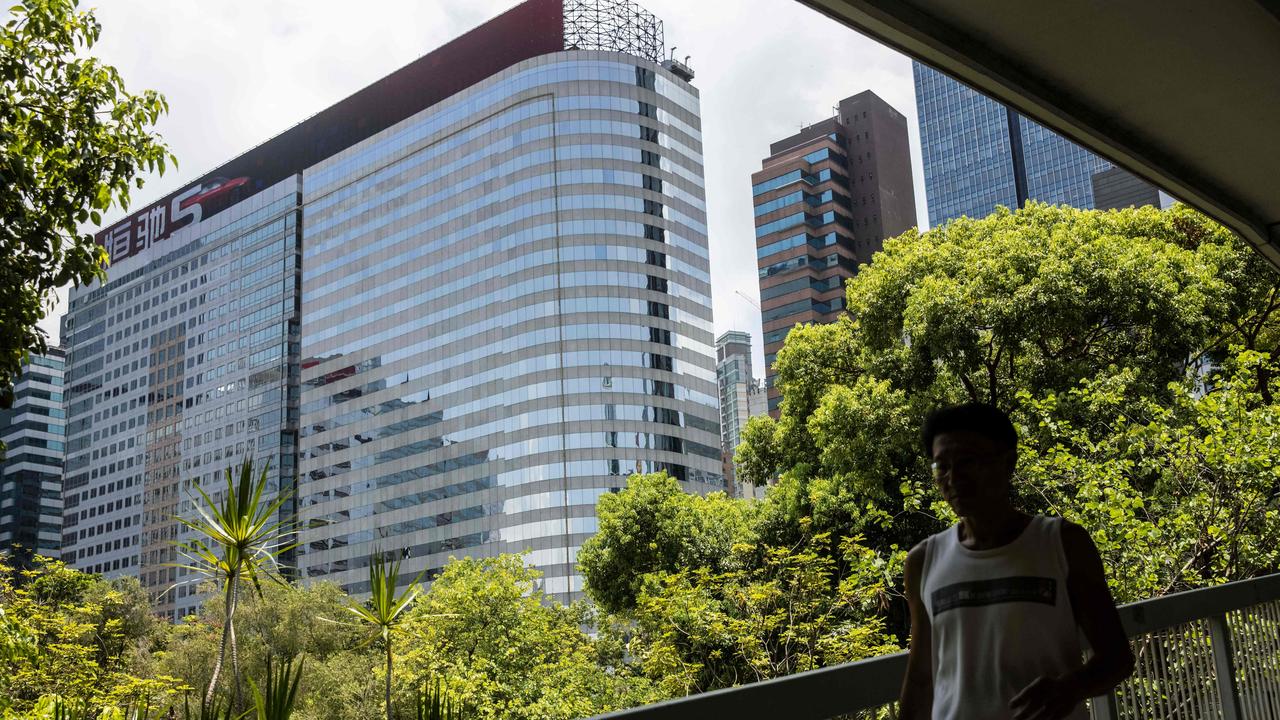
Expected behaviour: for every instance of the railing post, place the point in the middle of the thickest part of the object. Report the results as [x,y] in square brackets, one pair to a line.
[1224,667]
[1104,707]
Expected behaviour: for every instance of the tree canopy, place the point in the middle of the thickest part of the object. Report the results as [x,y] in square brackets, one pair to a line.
[657,527]
[1066,318]
[76,636]
[73,141]
[509,651]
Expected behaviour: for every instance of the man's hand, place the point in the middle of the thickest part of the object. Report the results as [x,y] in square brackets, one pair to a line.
[1046,698]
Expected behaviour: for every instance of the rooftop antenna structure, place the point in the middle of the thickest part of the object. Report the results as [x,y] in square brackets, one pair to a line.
[614,26]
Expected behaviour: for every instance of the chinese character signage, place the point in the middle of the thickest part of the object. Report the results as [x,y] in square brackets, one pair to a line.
[149,226]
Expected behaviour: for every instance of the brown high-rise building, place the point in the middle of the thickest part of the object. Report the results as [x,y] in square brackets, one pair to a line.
[825,199]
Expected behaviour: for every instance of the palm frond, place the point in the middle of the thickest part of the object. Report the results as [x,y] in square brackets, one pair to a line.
[385,604]
[239,532]
[210,711]
[277,702]
[238,535]
[431,702]
[69,709]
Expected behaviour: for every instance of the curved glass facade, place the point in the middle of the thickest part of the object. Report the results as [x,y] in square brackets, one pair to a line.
[506,311]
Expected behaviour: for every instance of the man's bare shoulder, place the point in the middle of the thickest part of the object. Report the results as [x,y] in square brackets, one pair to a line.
[1076,541]
[1084,564]
[915,559]
[918,550]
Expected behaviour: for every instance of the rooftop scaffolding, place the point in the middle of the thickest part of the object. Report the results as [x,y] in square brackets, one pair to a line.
[613,25]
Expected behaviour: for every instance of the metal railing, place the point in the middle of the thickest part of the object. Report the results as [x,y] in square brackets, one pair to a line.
[1211,653]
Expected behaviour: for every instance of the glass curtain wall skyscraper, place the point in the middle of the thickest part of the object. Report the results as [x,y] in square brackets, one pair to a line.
[979,154]
[31,471]
[451,310]
[184,362]
[506,312]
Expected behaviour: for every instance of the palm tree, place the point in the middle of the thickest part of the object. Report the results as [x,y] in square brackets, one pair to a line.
[240,536]
[385,609]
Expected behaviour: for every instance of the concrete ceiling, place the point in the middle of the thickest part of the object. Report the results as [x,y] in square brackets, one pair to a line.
[1185,93]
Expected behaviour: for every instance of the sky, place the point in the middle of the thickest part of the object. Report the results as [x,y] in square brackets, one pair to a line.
[238,73]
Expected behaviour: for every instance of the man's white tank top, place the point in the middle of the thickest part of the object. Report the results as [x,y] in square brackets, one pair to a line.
[1000,619]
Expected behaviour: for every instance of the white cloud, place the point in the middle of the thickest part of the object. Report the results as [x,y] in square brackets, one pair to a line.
[238,73]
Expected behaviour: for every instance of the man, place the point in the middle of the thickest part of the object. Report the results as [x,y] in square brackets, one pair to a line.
[999,600]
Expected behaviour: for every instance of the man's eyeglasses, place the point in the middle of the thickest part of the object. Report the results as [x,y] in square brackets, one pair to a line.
[962,464]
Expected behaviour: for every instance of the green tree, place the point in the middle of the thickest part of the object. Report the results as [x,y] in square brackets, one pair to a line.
[785,610]
[77,637]
[341,679]
[506,650]
[72,142]
[1179,495]
[344,686]
[654,525]
[1037,300]
[1029,302]
[707,603]
[241,536]
[1112,337]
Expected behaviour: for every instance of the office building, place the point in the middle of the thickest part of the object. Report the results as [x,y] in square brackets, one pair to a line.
[742,396]
[1116,188]
[452,310]
[825,199]
[506,305]
[31,466]
[979,154]
[182,363]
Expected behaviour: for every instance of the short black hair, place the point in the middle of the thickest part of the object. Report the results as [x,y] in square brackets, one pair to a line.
[988,421]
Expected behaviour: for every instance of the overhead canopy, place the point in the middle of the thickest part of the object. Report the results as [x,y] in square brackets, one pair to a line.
[1185,93]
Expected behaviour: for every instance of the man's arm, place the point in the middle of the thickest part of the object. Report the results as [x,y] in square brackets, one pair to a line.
[1111,660]
[1095,611]
[916,702]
